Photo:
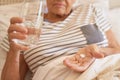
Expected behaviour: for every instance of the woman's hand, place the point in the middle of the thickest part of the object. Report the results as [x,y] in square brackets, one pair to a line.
[16,31]
[11,70]
[83,58]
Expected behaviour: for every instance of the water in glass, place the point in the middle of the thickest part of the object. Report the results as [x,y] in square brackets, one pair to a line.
[32,13]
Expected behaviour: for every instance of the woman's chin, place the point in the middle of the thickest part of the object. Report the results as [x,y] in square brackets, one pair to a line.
[61,14]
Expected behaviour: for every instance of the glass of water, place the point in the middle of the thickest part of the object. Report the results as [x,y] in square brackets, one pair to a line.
[32,13]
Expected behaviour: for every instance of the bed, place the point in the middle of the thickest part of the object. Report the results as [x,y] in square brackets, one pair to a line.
[7,11]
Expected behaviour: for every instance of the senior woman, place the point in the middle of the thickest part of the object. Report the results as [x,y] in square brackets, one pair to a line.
[82,33]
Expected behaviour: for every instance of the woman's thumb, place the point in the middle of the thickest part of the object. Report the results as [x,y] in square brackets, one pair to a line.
[98,55]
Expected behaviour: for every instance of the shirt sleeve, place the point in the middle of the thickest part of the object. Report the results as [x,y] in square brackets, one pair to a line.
[101,19]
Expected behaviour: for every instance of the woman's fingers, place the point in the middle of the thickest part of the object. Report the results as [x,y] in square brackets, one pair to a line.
[95,51]
[98,55]
[17,35]
[17,28]
[15,46]
[14,20]
[17,31]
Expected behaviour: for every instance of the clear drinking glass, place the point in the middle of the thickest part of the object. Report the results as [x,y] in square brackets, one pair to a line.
[32,13]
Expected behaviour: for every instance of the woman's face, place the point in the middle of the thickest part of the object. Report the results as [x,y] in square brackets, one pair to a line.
[60,7]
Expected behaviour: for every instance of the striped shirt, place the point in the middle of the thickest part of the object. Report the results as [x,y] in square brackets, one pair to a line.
[85,25]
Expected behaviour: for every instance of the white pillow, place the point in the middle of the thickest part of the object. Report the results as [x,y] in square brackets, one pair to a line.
[3,26]
[100,3]
[6,12]
[104,4]
[115,21]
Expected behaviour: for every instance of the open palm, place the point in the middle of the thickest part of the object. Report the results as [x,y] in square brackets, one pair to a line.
[79,62]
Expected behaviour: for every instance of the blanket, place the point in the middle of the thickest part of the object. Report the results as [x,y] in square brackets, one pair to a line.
[102,69]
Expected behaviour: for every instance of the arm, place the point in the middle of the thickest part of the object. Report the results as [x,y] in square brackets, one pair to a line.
[15,67]
[23,67]
[12,69]
[114,46]
[80,64]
